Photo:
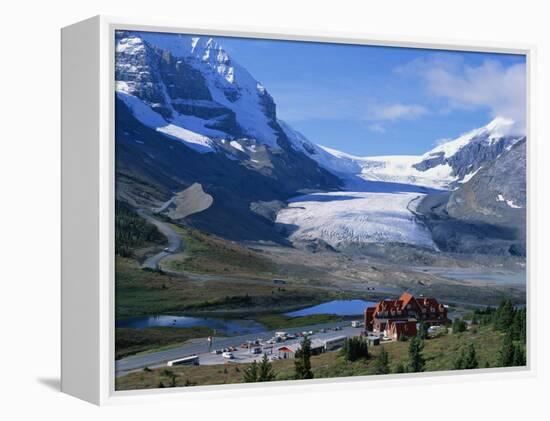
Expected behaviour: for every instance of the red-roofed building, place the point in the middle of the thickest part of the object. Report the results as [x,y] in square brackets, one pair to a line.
[398,328]
[399,317]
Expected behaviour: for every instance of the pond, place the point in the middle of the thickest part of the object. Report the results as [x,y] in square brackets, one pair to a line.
[224,326]
[338,307]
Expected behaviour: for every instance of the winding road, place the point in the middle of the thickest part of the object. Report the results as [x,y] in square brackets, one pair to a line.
[175,243]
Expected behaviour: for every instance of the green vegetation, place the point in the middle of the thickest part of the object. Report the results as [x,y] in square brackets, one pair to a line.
[133,341]
[416,359]
[459,325]
[439,354]
[144,292]
[262,372]
[132,231]
[467,359]
[512,323]
[382,363]
[207,253]
[355,348]
[302,361]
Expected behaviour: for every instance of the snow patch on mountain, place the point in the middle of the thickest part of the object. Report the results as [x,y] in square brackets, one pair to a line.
[230,84]
[510,203]
[175,129]
[492,132]
[236,145]
[342,218]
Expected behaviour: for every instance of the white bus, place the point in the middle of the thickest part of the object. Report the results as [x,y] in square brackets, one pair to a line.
[333,343]
[191,360]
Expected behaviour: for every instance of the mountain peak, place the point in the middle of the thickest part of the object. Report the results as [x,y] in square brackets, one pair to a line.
[208,50]
[499,122]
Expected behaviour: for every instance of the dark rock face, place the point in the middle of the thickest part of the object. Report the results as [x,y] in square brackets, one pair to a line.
[139,68]
[486,214]
[472,156]
[431,162]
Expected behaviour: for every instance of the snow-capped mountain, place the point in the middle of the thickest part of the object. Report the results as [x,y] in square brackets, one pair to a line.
[190,89]
[443,167]
[187,114]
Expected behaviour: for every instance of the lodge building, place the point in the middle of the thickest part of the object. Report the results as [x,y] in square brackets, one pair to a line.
[396,318]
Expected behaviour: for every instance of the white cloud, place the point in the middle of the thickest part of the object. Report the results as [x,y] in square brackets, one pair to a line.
[394,112]
[377,128]
[491,85]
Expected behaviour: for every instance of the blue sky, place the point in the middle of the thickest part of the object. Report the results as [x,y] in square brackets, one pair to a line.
[368,100]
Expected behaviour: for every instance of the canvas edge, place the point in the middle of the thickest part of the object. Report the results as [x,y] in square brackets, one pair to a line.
[80,336]
[107,393]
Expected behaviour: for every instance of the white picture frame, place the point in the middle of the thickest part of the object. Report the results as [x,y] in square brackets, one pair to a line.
[88,213]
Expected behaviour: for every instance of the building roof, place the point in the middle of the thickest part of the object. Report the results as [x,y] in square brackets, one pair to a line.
[402,302]
[285,349]
[315,343]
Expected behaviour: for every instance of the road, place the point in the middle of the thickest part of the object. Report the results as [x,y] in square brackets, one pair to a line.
[175,242]
[159,358]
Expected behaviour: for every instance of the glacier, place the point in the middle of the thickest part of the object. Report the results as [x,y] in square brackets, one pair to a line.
[342,218]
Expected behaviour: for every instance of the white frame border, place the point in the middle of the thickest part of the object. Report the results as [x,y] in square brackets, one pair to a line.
[107,394]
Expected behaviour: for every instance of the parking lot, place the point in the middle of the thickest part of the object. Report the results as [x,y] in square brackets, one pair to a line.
[255,349]
[240,355]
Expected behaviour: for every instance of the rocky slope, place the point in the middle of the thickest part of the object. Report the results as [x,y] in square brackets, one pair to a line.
[487,214]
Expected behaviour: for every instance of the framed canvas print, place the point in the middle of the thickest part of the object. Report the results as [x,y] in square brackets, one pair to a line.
[245,210]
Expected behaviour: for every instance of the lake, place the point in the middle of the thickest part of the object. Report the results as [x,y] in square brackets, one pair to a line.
[224,326]
[338,307]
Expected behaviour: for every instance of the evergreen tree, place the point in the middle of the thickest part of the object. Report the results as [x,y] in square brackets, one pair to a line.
[506,353]
[400,368]
[423,330]
[504,316]
[250,375]
[523,331]
[355,348]
[265,370]
[302,363]
[382,363]
[458,363]
[470,358]
[416,359]
[519,359]
[459,325]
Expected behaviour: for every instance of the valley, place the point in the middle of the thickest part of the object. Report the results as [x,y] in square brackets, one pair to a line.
[233,225]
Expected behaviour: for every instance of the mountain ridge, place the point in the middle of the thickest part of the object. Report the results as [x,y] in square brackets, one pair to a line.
[189,115]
